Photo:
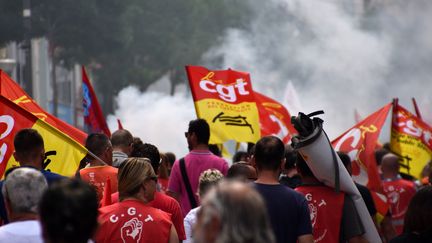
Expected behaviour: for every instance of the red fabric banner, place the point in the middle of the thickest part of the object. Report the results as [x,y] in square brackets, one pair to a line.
[12,91]
[274,118]
[94,120]
[359,143]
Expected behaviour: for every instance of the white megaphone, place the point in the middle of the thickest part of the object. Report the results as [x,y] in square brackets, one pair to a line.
[315,147]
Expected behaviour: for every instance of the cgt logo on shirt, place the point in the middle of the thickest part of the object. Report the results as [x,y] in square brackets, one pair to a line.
[132,229]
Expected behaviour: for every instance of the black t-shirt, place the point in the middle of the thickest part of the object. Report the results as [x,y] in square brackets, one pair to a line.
[367,197]
[288,211]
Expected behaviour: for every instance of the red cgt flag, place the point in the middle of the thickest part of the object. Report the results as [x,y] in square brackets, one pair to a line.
[274,118]
[94,120]
[359,143]
[12,91]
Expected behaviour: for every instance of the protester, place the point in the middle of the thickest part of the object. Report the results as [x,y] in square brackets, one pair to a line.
[289,176]
[183,185]
[333,215]
[364,191]
[207,180]
[418,219]
[233,212]
[398,191]
[171,159]
[99,171]
[68,212]
[122,143]
[163,173]
[288,209]
[161,201]
[242,171]
[132,219]
[22,191]
[240,156]
[29,152]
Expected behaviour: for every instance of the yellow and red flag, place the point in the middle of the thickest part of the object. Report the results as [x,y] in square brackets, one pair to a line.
[225,99]
[274,118]
[359,143]
[411,139]
[63,153]
[11,90]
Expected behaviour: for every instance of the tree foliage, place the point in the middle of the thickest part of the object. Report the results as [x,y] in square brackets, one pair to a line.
[126,41]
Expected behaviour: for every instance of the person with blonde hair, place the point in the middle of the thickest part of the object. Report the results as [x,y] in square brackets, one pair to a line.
[131,220]
[207,180]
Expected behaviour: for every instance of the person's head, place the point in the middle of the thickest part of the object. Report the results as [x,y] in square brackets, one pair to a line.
[29,148]
[22,190]
[290,158]
[136,179]
[171,158]
[68,212]
[242,171]
[100,145]
[122,140]
[379,154]
[240,156]
[149,151]
[346,161]
[390,165]
[418,217]
[269,154]
[303,168]
[198,133]
[164,167]
[207,180]
[232,212]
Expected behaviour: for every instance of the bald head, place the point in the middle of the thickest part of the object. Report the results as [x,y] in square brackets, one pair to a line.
[390,165]
[122,140]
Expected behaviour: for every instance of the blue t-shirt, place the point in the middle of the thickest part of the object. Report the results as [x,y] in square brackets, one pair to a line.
[288,212]
[49,176]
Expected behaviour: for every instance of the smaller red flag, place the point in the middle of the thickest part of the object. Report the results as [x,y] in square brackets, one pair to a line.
[274,118]
[120,126]
[94,120]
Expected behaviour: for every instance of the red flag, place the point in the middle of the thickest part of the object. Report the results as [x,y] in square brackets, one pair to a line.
[63,153]
[119,124]
[12,91]
[411,139]
[93,116]
[359,143]
[274,118]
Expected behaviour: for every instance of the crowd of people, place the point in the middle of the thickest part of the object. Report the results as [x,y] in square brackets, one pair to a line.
[126,190]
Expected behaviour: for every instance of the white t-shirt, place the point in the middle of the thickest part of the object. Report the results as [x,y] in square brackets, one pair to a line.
[21,232]
[189,222]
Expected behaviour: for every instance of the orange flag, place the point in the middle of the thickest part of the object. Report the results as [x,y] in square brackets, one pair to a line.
[411,139]
[274,118]
[225,99]
[359,143]
[63,153]
[11,90]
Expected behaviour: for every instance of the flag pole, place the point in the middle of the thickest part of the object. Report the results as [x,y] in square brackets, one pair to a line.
[417,111]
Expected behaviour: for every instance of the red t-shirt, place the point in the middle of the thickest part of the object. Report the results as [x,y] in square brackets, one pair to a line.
[97,176]
[133,221]
[168,205]
[163,182]
[399,193]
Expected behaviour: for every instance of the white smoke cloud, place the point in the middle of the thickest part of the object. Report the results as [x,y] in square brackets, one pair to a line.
[155,117]
[337,61]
